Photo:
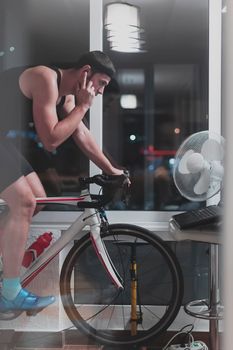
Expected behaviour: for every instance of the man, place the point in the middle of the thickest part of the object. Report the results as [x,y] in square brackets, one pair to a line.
[45,93]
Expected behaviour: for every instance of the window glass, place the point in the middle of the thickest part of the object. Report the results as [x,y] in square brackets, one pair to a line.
[158,98]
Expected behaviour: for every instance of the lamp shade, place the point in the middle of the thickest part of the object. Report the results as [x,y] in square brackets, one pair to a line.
[122,22]
[121,15]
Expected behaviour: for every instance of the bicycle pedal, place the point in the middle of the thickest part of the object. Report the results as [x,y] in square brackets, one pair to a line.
[33,312]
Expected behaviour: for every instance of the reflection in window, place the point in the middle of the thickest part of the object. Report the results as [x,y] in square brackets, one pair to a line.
[169,85]
[157,99]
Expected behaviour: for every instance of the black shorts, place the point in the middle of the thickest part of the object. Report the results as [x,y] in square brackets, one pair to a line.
[12,164]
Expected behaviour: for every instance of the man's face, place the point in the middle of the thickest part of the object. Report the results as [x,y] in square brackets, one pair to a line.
[100,81]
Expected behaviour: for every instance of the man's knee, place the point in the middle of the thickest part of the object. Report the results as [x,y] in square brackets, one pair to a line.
[20,199]
[28,201]
[25,206]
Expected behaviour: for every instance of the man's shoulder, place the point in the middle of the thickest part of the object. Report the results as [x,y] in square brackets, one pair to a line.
[40,70]
[41,74]
[36,69]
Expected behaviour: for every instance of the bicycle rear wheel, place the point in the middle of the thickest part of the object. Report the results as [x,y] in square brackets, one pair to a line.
[95,306]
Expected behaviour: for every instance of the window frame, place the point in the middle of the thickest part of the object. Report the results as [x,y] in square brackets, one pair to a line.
[153,220]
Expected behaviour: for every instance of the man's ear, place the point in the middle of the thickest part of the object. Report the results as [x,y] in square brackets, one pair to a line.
[86,68]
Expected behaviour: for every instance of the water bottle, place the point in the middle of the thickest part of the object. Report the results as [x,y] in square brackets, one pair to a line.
[37,248]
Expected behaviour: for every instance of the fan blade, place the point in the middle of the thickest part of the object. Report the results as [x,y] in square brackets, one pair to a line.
[212,150]
[195,163]
[183,162]
[203,183]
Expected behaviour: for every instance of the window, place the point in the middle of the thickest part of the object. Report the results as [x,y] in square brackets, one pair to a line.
[158,99]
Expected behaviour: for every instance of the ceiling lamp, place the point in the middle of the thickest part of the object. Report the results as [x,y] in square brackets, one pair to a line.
[128,101]
[122,22]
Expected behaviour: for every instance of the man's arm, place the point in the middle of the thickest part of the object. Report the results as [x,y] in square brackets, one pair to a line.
[41,86]
[86,142]
[91,149]
[41,83]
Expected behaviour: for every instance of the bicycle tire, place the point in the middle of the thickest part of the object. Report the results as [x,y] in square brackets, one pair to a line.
[98,295]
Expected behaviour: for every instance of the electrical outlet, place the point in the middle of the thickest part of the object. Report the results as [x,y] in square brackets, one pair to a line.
[194,346]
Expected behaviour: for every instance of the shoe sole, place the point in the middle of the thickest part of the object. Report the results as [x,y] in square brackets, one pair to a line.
[33,312]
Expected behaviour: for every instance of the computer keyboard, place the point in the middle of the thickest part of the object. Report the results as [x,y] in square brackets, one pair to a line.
[198,217]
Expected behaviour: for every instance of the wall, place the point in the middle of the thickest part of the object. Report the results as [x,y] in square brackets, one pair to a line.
[227,100]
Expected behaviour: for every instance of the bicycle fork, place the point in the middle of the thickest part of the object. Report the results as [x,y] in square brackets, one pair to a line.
[102,253]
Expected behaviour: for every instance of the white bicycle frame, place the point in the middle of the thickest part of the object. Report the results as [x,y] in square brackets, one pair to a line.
[90,217]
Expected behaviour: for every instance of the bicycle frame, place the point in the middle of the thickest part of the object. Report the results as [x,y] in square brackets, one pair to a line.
[90,217]
[115,237]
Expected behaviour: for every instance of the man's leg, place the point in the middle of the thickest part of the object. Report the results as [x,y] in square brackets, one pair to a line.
[21,203]
[35,185]
[3,217]
[36,188]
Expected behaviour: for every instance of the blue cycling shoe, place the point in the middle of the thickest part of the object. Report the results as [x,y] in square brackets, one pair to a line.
[25,301]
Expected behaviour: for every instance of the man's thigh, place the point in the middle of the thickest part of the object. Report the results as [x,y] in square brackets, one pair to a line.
[12,164]
[35,185]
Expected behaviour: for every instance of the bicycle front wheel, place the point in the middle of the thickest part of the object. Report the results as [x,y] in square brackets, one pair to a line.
[153,291]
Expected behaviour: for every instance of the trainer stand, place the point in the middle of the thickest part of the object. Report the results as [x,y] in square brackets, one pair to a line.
[210,309]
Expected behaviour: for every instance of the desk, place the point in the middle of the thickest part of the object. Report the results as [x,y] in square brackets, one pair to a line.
[208,233]
[213,311]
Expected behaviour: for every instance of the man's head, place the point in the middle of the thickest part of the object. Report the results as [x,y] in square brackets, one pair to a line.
[98,68]
[98,61]
[96,65]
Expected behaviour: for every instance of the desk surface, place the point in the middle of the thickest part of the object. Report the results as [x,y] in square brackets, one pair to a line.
[207,233]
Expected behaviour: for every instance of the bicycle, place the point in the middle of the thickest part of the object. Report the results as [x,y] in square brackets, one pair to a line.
[117,307]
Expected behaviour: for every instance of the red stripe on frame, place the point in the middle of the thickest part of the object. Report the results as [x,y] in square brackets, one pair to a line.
[59,199]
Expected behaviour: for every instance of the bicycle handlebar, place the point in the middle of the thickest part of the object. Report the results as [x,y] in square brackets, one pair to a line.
[110,184]
[104,180]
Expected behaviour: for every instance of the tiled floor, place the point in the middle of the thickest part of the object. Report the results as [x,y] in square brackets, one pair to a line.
[72,340]
[72,347]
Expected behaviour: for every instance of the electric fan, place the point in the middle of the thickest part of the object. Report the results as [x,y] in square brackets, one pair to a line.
[198,169]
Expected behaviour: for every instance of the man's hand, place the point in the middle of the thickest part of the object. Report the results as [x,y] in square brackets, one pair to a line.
[127,176]
[125,173]
[86,93]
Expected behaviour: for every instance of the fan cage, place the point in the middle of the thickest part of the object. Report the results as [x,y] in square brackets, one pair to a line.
[185,182]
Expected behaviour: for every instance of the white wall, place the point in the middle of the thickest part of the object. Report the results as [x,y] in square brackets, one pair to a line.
[227,103]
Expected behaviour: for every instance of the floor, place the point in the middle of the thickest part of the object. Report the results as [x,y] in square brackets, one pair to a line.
[67,347]
[71,347]
[69,340]
[74,347]
[10,340]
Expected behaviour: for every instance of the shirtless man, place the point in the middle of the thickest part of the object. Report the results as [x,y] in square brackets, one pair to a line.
[44,92]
